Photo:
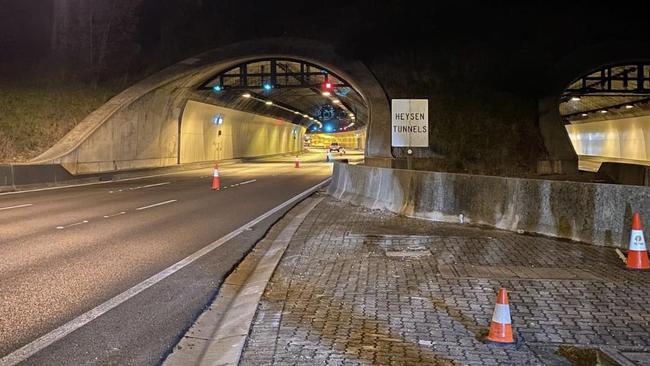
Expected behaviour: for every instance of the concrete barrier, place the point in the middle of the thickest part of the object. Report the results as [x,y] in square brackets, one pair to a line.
[593,213]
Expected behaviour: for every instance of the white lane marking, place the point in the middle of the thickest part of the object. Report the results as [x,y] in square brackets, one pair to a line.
[44,341]
[248,182]
[18,206]
[113,215]
[156,185]
[156,205]
[71,225]
[621,255]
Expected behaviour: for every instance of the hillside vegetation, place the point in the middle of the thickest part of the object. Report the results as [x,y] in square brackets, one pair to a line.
[33,117]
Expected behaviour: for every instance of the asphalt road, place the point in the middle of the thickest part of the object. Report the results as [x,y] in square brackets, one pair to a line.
[66,251]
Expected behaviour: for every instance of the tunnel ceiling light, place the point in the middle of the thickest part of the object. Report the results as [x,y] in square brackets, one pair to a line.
[268,102]
[306,116]
[267,86]
[584,114]
[629,106]
[246,95]
[217,88]
[603,111]
[575,99]
[326,94]
[336,101]
[351,114]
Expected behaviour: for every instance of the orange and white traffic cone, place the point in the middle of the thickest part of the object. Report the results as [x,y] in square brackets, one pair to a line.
[637,256]
[297,162]
[501,325]
[216,180]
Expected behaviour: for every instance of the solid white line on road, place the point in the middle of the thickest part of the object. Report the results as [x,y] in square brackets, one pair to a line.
[44,341]
[156,205]
[113,215]
[71,225]
[149,186]
[12,207]
[248,182]
[156,185]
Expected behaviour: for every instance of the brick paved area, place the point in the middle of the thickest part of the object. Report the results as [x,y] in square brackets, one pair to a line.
[367,287]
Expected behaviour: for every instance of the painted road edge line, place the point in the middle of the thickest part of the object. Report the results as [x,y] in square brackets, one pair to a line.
[44,341]
[18,206]
[155,205]
[234,309]
[248,182]
[115,214]
[71,225]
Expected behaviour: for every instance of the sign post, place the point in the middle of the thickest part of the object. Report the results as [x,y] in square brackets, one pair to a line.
[410,125]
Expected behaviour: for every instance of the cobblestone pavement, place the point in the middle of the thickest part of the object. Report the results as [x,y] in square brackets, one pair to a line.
[358,286]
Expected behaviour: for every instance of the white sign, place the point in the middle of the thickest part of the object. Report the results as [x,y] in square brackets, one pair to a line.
[410,123]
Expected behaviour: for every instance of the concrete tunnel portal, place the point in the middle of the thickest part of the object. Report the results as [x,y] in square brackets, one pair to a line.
[248,99]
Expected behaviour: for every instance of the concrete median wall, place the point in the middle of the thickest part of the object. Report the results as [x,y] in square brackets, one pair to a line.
[593,213]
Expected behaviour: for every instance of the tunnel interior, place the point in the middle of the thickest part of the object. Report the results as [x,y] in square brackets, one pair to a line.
[319,102]
[606,112]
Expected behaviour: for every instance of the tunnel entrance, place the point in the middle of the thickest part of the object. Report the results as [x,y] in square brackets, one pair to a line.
[180,114]
[606,112]
[266,106]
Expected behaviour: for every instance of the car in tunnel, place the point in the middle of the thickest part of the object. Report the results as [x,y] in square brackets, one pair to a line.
[335,147]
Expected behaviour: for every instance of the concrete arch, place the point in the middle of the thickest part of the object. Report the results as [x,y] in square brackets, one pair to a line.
[140,127]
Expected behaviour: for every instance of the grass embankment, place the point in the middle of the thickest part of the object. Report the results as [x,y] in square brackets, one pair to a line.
[34,117]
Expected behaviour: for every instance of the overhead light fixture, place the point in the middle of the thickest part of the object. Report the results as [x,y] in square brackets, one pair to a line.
[575,99]
[351,114]
[629,106]
[336,101]
[268,102]
[267,87]
[306,116]
[584,114]
[246,95]
[326,94]
[353,117]
[603,111]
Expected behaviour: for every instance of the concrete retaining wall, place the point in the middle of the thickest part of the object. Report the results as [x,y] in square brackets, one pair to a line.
[591,213]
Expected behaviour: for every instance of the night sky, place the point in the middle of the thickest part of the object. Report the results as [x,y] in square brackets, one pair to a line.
[492,42]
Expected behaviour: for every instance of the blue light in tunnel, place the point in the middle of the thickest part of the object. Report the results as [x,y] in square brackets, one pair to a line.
[267,87]
[217,88]
[329,128]
[218,119]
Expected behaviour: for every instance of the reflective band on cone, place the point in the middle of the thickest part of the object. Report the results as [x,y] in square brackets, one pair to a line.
[297,162]
[501,325]
[637,256]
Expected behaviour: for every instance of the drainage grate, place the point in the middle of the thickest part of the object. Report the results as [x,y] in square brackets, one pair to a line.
[514,272]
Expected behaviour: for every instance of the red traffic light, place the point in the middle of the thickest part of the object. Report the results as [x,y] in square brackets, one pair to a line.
[327,85]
